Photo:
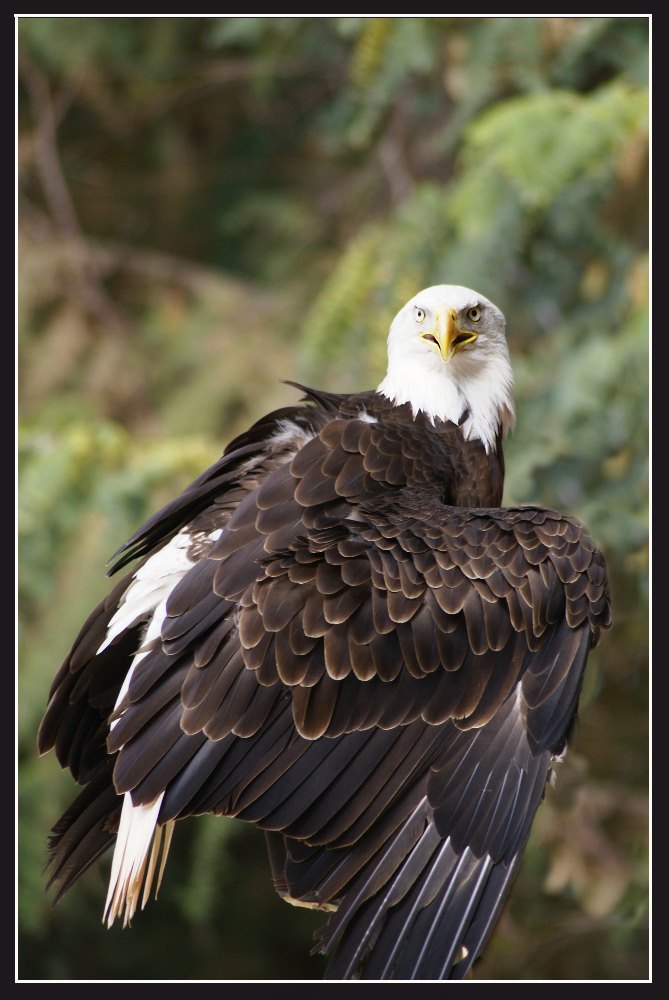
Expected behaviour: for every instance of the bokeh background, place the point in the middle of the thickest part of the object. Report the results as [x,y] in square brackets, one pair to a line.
[208,206]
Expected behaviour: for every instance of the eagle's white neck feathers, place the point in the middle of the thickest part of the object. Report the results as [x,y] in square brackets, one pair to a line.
[477,380]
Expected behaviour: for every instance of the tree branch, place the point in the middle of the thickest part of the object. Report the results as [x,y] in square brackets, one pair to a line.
[85,281]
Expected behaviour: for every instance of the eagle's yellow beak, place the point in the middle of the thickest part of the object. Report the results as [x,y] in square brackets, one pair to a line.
[446,335]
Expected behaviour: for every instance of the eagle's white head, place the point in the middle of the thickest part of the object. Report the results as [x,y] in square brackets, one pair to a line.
[447,356]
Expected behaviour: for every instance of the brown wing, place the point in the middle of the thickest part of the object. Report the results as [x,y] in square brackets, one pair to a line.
[378,677]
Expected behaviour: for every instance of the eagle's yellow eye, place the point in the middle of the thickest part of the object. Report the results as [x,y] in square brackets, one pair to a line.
[474,314]
[418,314]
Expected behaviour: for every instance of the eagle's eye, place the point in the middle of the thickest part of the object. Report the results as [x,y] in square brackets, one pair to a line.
[418,314]
[474,314]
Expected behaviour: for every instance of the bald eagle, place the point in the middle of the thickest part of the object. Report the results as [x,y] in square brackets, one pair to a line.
[338,634]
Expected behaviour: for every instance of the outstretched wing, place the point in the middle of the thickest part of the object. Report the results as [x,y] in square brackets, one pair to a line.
[379,679]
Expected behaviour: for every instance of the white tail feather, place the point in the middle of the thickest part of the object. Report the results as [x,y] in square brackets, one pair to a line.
[138,842]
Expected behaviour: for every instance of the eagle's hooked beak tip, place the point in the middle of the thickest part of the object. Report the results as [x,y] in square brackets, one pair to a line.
[446,335]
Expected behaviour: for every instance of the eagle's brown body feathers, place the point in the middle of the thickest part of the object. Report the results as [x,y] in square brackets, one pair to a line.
[368,658]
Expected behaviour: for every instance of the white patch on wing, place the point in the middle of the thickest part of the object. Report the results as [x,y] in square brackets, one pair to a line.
[367,417]
[152,632]
[151,584]
[147,595]
[137,828]
[290,436]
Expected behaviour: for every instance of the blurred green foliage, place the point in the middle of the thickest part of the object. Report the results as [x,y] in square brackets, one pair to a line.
[210,205]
